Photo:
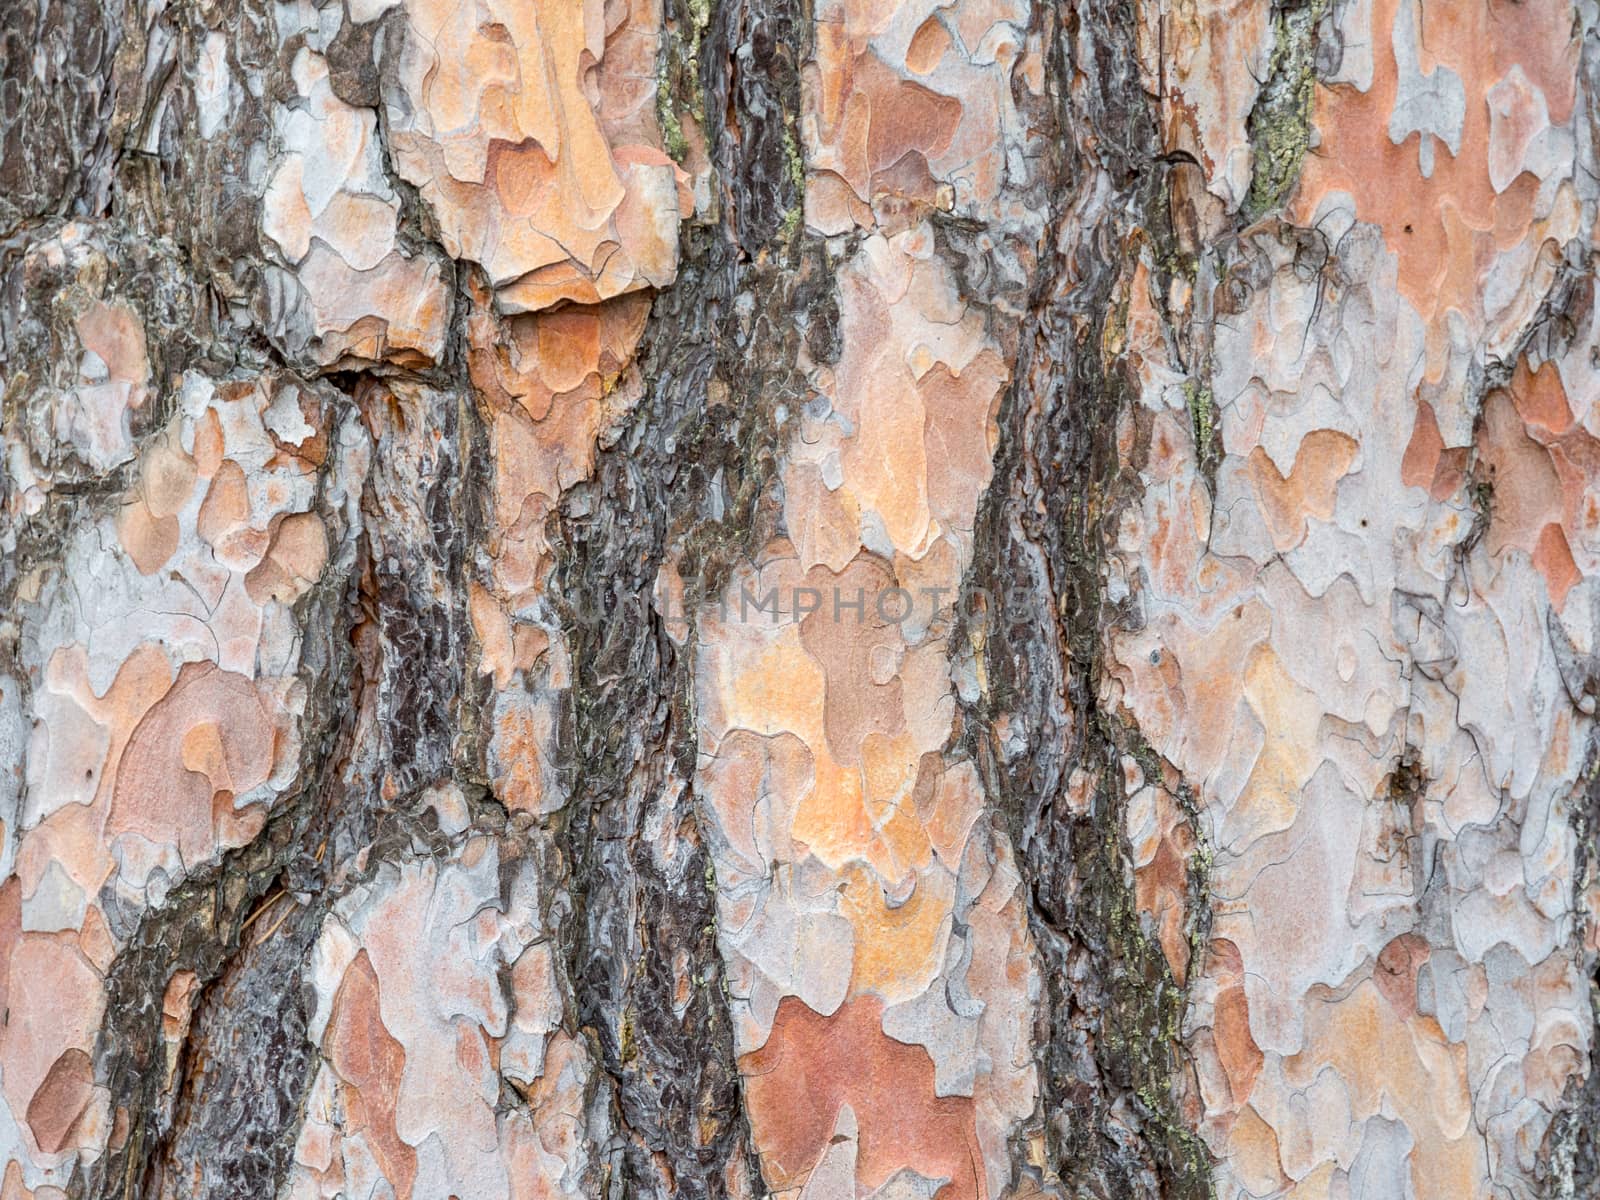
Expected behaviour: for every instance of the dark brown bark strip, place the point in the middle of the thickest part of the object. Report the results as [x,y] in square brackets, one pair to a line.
[689,480]
[1109,1042]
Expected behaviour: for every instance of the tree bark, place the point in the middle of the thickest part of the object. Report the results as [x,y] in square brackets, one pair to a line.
[722,598]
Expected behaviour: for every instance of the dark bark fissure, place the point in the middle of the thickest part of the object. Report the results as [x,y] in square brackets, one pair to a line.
[385,657]
[246,1062]
[226,1127]
[397,732]
[689,479]
[56,97]
[1110,1049]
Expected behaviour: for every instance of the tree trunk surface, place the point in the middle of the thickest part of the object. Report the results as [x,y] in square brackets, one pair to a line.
[814,598]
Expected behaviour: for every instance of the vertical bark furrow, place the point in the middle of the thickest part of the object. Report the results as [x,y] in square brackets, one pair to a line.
[1112,1062]
[685,482]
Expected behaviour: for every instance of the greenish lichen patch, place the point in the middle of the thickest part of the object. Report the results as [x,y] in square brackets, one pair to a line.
[1204,418]
[667,116]
[679,90]
[795,163]
[1280,123]
[1145,1003]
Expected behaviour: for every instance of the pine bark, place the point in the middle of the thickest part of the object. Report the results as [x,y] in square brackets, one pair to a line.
[721,598]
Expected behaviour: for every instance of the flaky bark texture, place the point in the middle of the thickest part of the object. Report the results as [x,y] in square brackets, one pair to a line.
[824,598]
